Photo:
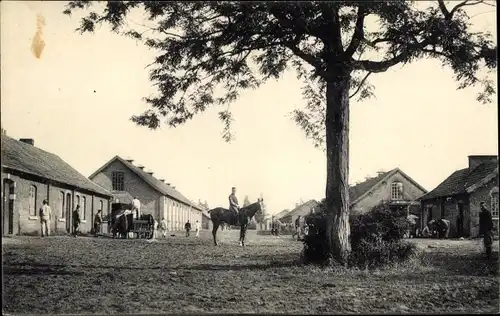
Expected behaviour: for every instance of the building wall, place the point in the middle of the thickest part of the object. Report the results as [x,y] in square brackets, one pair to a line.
[133,184]
[27,221]
[481,194]
[382,192]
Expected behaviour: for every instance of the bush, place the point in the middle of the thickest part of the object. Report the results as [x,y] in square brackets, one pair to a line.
[376,237]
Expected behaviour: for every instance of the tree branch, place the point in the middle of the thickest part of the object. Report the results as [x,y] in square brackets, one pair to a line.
[360,85]
[359,33]
[378,66]
[448,14]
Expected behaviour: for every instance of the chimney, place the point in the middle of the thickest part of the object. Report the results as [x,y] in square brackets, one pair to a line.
[141,167]
[367,178]
[476,160]
[150,172]
[129,160]
[29,141]
[380,172]
[162,180]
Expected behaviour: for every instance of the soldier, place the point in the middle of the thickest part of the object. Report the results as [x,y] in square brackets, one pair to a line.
[45,217]
[97,223]
[486,228]
[76,220]
[233,204]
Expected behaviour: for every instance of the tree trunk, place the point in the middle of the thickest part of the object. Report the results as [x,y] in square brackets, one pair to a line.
[337,186]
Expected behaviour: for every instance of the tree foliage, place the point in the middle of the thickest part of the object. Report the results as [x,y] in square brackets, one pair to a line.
[246,201]
[208,52]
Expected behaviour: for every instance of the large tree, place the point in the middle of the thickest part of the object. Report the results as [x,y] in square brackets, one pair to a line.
[207,52]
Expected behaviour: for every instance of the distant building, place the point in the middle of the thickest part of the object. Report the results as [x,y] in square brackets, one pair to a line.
[394,187]
[457,198]
[301,210]
[30,175]
[158,198]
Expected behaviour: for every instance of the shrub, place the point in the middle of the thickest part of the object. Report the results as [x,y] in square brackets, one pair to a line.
[376,237]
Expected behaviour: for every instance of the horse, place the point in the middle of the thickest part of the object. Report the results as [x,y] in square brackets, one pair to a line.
[220,215]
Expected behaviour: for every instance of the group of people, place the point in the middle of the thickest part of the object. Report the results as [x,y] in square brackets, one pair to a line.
[197,227]
[46,218]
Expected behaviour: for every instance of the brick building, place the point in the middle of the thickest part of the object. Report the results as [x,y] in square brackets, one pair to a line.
[30,175]
[158,198]
[302,210]
[457,197]
[394,186]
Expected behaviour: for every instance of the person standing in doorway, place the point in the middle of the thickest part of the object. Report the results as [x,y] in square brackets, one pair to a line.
[187,227]
[198,228]
[486,228]
[45,217]
[97,223]
[76,220]
[233,205]
[136,207]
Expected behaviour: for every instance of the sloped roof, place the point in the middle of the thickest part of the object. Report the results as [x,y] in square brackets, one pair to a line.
[281,214]
[359,190]
[302,209]
[156,184]
[460,180]
[29,159]
[356,191]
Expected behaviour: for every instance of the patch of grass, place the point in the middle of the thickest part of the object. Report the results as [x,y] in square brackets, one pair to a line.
[188,275]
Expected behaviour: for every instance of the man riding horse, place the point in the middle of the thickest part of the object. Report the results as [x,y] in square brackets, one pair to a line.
[234,206]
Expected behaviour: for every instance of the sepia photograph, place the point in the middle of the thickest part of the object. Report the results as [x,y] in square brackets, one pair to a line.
[235,157]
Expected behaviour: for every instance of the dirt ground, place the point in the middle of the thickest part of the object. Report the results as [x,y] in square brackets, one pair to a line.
[188,275]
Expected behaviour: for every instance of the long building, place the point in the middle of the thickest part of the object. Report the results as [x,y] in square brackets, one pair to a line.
[31,175]
[126,180]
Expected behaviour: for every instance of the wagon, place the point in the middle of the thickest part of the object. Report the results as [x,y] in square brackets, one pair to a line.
[142,227]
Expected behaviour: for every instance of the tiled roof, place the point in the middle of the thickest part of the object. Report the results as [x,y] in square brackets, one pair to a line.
[359,189]
[460,180]
[282,214]
[153,182]
[29,159]
[302,209]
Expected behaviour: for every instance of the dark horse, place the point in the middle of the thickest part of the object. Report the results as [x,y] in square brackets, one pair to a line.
[221,215]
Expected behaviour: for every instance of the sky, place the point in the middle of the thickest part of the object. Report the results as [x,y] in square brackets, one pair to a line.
[76,99]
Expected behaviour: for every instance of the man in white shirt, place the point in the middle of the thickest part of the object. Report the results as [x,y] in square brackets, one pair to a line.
[45,217]
[136,207]
[198,228]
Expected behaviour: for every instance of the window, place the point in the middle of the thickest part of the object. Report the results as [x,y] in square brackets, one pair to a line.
[494,205]
[61,199]
[32,201]
[397,191]
[84,208]
[118,182]
[78,201]
[100,205]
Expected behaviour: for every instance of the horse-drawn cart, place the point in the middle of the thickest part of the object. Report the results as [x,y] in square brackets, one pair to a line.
[122,223]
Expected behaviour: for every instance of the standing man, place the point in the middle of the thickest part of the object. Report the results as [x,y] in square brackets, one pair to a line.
[97,223]
[486,228]
[197,226]
[136,207]
[233,205]
[76,220]
[297,227]
[45,217]
[187,227]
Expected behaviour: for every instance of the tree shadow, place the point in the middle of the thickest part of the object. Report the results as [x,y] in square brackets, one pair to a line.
[463,264]
[240,267]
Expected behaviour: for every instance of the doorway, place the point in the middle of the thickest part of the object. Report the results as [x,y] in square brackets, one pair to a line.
[460,220]
[68,213]
[8,207]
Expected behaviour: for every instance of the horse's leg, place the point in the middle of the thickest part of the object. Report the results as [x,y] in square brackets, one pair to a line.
[242,234]
[214,232]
